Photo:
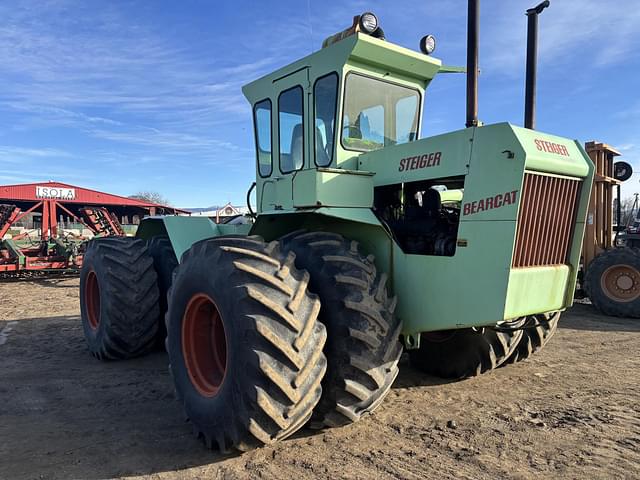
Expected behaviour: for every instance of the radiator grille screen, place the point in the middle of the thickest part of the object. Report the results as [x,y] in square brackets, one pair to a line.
[546,220]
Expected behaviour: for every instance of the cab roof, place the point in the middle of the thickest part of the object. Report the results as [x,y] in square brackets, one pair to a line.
[358,48]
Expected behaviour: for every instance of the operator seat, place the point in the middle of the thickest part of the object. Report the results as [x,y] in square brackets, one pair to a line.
[297,155]
[430,208]
[321,153]
[431,202]
[423,224]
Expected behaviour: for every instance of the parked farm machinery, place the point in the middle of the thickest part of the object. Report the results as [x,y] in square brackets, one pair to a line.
[610,254]
[52,251]
[461,248]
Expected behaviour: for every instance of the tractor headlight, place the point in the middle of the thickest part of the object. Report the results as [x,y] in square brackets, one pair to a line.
[368,22]
[428,44]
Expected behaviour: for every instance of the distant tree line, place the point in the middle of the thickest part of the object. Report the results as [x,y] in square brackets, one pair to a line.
[151,197]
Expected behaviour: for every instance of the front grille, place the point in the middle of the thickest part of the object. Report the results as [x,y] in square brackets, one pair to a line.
[546,220]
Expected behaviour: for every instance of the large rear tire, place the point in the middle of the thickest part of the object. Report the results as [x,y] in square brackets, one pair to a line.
[612,282]
[463,353]
[118,298]
[536,337]
[164,263]
[363,347]
[244,343]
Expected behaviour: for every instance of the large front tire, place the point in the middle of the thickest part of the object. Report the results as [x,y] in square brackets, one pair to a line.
[244,343]
[363,347]
[458,354]
[118,298]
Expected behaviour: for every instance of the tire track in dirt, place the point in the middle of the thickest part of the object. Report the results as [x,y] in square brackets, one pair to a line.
[618,446]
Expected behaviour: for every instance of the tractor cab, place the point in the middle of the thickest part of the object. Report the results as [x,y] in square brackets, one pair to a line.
[358,94]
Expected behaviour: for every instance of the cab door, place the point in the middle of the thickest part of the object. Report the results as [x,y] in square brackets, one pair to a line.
[292,152]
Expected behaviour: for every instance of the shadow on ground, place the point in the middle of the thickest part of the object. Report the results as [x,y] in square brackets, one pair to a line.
[583,316]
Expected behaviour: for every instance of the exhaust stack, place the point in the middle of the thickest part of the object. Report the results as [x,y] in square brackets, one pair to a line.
[532,67]
[473,28]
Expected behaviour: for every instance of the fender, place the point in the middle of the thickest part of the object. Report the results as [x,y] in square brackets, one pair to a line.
[359,224]
[184,231]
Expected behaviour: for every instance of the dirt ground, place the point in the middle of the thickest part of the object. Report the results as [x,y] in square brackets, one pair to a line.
[572,411]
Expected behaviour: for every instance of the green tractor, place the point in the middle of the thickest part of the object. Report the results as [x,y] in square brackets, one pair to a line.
[460,248]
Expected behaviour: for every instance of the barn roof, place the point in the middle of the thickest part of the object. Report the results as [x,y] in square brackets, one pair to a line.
[66,193]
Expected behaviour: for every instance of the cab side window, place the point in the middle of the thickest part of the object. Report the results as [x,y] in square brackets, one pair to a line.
[406,122]
[262,122]
[325,93]
[290,129]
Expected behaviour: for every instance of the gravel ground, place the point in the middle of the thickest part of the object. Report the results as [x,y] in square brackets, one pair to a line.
[571,411]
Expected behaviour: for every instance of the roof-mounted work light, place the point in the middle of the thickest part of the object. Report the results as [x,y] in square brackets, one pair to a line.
[365,23]
[428,44]
[368,22]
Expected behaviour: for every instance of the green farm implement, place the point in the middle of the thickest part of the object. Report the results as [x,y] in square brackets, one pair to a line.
[461,249]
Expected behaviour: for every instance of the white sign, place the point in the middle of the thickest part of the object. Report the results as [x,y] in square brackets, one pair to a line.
[56,192]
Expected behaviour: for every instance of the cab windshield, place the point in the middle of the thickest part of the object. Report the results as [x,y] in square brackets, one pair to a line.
[378,114]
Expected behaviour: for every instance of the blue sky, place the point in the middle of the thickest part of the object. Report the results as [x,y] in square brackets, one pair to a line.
[124,96]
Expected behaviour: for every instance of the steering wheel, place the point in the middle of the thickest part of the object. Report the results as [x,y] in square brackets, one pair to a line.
[355,128]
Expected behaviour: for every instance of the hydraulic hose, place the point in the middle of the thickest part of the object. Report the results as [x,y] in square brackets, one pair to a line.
[251,212]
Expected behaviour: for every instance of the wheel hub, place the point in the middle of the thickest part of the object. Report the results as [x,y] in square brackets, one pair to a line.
[204,345]
[621,283]
[92,299]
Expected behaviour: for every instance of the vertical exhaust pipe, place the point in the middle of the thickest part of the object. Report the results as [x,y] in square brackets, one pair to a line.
[473,28]
[532,64]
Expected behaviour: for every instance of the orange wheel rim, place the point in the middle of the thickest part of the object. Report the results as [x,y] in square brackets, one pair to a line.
[621,283]
[204,345]
[92,299]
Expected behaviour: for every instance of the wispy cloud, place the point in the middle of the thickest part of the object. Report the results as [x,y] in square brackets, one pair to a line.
[21,164]
[61,61]
[152,136]
[21,154]
[605,33]
[131,99]
[56,174]
[627,147]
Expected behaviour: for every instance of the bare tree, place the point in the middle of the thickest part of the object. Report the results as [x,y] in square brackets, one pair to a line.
[151,197]
[628,210]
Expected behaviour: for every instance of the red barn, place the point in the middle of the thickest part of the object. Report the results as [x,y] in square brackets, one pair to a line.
[55,199]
